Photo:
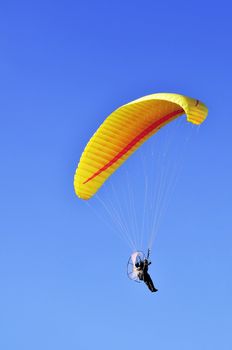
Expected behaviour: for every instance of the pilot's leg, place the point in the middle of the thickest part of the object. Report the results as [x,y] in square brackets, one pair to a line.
[149,283]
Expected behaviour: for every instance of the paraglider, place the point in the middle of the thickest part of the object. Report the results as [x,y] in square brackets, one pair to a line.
[141,269]
[124,131]
[137,269]
[117,138]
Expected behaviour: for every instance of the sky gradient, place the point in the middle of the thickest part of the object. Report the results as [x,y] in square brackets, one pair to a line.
[65,66]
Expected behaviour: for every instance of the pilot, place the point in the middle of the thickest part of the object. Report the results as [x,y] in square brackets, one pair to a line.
[143,275]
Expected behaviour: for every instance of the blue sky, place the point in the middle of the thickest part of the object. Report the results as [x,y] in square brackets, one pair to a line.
[65,66]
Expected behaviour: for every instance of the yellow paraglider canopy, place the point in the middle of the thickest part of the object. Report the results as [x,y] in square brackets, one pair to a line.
[124,131]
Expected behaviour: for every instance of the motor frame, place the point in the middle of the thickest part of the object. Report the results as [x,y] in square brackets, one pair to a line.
[131,269]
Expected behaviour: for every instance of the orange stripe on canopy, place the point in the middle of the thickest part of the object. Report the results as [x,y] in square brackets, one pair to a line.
[138,138]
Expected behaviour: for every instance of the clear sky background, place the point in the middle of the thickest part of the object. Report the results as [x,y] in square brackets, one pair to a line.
[65,65]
